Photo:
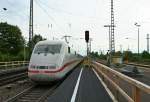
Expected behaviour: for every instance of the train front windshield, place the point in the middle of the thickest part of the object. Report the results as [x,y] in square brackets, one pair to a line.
[53,49]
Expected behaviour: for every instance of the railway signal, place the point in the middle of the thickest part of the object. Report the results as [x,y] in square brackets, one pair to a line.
[87,60]
[87,40]
[87,36]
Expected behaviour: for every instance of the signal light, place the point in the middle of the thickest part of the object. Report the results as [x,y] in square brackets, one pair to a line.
[87,36]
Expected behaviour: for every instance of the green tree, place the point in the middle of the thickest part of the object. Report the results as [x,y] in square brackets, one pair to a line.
[145,55]
[36,39]
[11,39]
[127,55]
[118,53]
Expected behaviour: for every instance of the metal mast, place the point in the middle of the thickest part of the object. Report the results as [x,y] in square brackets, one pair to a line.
[148,43]
[31,25]
[112,42]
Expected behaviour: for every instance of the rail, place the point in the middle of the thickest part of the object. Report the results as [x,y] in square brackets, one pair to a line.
[12,78]
[141,65]
[113,79]
[34,93]
[13,64]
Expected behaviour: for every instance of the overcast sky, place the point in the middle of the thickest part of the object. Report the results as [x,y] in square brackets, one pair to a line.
[73,17]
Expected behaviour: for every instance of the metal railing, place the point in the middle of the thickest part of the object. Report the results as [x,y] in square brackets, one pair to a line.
[13,64]
[114,80]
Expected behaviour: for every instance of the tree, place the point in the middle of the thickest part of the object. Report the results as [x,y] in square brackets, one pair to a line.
[145,55]
[36,39]
[127,55]
[11,39]
[118,53]
[94,54]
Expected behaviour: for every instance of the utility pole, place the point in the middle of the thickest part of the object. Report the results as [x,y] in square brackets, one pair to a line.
[51,26]
[111,34]
[110,44]
[90,41]
[109,26]
[31,26]
[112,41]
[121,48]
[148,43]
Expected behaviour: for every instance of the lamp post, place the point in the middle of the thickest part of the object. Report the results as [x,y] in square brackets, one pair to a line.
[109,36]
[110,50]
[128,44]
[25,50]
[137,25]
[127,58]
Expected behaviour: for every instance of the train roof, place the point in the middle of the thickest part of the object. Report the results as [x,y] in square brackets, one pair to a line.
[51,42]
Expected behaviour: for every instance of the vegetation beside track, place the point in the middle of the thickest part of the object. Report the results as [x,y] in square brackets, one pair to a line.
[13,45]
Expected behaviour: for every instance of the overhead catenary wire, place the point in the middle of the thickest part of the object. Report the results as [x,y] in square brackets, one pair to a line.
[21,15]
[58,10]
[45,11]
[65,12]
[16,13]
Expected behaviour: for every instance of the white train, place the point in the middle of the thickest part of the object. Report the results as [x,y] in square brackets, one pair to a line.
[51,61]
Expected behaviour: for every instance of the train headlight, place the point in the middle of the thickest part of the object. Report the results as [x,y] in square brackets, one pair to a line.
[32,66]
[52,67]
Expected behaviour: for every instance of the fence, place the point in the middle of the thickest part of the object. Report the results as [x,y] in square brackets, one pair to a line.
[13,64]
[123,86]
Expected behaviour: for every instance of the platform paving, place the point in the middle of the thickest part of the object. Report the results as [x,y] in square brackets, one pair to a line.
[89,89]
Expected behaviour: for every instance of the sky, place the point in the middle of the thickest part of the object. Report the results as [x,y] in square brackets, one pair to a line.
[73,17]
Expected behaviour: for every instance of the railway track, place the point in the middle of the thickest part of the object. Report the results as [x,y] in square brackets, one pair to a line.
[36,93]
[145,67]
[11,76]
[146,70]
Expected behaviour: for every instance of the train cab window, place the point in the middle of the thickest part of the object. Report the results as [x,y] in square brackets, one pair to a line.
[53,49]
[69,50]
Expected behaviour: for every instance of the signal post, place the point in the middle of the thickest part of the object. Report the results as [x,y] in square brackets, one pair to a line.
[87,59]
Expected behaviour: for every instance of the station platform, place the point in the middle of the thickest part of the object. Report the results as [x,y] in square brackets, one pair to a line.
[82,85]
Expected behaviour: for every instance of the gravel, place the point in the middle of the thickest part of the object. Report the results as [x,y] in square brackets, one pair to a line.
[13,89]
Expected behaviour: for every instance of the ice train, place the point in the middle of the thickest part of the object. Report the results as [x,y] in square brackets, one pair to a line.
[51,61]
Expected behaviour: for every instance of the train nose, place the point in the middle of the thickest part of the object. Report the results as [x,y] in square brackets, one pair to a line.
[49,60]
[52,66]
[42,75]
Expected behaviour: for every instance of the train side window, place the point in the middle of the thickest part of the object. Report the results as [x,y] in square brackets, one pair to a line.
[69,50]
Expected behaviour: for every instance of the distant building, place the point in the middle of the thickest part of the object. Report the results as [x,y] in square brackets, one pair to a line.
[117,59]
